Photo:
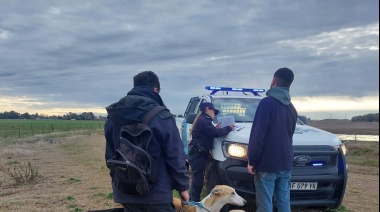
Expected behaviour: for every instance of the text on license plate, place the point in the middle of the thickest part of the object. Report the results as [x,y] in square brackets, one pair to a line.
[303,186]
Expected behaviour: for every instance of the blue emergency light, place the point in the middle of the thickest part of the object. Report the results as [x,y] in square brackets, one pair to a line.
[318,163]
[215,89]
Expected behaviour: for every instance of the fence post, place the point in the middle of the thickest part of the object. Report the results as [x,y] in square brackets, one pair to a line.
[19,131]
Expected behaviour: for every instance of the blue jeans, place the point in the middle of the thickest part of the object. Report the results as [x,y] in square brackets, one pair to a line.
[269,184]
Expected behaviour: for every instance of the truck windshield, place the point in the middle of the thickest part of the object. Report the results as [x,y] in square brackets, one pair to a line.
[242,109]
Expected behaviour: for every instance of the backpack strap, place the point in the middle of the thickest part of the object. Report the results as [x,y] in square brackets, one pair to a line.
[151,113]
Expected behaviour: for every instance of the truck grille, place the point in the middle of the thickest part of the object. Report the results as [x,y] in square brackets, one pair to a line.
[315,160]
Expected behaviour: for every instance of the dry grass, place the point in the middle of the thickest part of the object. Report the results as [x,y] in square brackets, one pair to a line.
[347,127]
[73,176]
[15,151]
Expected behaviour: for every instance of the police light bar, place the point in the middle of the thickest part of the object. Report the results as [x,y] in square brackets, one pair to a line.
[215,89]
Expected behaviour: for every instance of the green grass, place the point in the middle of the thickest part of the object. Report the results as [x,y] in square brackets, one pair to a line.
[72,148]
[26,128]
[340,209]
[74,208]
[13,162]
[363,156]
[70,198]
[74,180]
[107,195]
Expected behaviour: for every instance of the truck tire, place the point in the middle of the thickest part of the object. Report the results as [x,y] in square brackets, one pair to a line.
[213,179]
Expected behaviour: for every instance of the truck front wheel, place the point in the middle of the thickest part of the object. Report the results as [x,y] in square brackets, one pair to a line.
[213,178]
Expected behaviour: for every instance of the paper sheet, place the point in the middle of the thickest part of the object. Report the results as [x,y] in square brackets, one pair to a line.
[227,120]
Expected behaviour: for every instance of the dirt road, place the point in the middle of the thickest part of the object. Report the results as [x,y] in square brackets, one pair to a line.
[75,178]
[362,192]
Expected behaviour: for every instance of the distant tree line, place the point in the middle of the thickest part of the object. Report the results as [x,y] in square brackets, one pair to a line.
[69,116]
[371,117]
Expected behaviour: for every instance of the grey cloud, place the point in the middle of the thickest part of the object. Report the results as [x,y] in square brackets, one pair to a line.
[7,74]
[89,53]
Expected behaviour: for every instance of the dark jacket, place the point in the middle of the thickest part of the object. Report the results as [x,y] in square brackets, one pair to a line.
[166,144]
[271,141]
[204,132]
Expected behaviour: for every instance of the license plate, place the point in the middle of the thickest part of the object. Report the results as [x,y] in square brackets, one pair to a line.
[303,186]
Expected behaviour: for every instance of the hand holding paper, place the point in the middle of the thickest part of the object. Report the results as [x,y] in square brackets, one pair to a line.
[228,121]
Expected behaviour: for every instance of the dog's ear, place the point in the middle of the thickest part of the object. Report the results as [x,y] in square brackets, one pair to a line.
[216,191]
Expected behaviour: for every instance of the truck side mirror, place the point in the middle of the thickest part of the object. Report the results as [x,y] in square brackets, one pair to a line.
[303,119]
[191,117]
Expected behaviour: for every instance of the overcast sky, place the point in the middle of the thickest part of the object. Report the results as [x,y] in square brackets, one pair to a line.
[80,56]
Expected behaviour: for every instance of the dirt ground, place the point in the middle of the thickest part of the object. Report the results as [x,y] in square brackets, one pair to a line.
[347,127]
[73,177]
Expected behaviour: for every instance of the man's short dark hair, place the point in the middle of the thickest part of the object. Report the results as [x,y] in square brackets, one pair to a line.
[147,78]
[284,77]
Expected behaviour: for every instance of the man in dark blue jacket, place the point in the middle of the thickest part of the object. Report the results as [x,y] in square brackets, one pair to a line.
[165,146]
[270,150]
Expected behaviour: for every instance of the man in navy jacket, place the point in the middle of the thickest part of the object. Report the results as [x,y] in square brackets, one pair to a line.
[270,149]
[165,145]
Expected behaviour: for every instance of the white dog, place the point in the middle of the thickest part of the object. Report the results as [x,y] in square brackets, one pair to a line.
[219,196]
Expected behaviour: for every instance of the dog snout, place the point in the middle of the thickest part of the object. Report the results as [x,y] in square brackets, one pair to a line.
[242,201]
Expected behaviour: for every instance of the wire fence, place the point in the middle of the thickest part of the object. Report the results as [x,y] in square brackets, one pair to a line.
[31,129]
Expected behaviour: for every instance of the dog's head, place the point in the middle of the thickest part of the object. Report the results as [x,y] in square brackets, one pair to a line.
[223,194]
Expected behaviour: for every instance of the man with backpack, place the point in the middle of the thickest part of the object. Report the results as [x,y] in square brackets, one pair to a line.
[167,164]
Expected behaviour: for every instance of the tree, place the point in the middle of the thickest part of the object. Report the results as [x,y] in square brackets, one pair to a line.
[11,115]
[26,116]
[371,117]
[87,116]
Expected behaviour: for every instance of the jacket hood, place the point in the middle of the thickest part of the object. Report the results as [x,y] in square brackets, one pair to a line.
[133,107]
[281,94]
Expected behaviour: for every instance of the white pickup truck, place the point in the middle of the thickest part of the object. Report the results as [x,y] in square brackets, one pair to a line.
[319,173]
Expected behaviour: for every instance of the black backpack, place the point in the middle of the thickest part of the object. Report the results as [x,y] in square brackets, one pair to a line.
[134,170]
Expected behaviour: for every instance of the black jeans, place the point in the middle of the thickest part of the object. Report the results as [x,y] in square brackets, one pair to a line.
[169,207]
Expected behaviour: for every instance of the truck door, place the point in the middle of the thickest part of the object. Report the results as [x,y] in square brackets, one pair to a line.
[191,107]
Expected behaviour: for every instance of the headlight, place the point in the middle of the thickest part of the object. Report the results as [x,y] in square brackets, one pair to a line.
[235,150]
[344,149]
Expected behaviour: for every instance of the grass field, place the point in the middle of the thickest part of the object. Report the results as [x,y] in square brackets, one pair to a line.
[347,127]
[26,128]
[72,175]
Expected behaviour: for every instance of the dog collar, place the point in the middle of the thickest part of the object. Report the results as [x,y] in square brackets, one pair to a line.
[193,203]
